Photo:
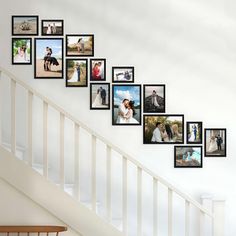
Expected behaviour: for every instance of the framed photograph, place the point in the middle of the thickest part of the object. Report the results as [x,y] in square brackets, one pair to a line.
[126,104]
[21,51]
[188,157]
[97,69]
[52,27]
[154,100]
[24,25]
[163,129]
[80,45]
[99,96]
[76,72]
[48,58]
[122,74]
[194,132]
[215,142]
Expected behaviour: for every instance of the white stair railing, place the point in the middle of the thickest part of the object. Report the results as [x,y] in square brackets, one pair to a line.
[189,202]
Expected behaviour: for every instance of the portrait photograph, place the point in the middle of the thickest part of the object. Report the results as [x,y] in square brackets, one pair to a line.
[215,142]
[97,69]
[188,157]
[52,27]
[126,104]
[48,58]
[80,45]
[194,132]
[76,72]
[99,96]
[24,25]
[163,129]
[21,51]
[122,74]
[154,98]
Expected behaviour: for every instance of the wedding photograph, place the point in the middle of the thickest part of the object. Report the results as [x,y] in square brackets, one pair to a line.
[126,104]
[122,74]
[194,132]
[97,69]
[24,25]
[52,27]
[80,45]
[21,51]
[215,142]
[76,72]
[48,57]
[99,96]
[188,157]
[163,129]
[154,98]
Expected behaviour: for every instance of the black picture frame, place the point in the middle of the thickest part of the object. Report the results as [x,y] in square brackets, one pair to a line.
[115,107]
[46,73]
[74,54]
[61,30]
[13,51]
[176,136]
[94,107]
[103,78]
[187,161]
[124,69]
[76,60]
[214,149]
[149,104]
[24,18]
[199,133]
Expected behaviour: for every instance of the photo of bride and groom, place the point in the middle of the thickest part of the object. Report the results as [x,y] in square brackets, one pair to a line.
[194,132]
[21,49]
[215,142]
[99,96]
[126,105]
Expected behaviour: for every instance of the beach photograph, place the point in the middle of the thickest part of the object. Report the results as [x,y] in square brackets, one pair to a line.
[48,58]
[24,25]
[123,74]
[52,27]
[76,72]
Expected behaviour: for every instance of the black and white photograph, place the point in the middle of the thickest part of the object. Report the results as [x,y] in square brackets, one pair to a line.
[52,27]
[122,74]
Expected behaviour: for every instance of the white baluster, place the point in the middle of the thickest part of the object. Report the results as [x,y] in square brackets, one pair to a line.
[94,195]
[76,158]
[187,217]
[45,139]
[155,219]
[125,185]
[139,201]
[30,147]
[170,211]
[201,223]
[219,217]
[108,180]
[1,100]
[62,150]
[13,117]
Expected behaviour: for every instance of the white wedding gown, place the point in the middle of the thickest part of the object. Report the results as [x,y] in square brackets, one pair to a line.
[156,104]
[192,137]
[98,100]
[212,146]
[74,77]
[131,120]
[49,31]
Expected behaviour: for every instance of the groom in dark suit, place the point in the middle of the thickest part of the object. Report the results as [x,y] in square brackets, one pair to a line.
[103,95]
[219,141]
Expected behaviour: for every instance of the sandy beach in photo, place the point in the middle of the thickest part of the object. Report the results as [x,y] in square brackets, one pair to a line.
[18,30]
[56,71]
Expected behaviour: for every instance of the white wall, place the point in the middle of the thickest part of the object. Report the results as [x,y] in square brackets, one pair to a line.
[188,45]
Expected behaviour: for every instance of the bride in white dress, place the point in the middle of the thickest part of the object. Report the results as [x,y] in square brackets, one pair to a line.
[98,99]
[212,145]
[192,137]
[154,99]
[49,29]
[131,112]
[74,78]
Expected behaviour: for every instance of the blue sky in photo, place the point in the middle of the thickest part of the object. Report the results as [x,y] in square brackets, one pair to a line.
[54,44]
[130,92]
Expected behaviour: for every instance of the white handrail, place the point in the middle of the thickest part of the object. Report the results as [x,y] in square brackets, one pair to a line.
[109,145]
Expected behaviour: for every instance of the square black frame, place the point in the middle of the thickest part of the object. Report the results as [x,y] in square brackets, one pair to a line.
[218,129]
[76,59]
[122,67]
[90,66]
[109,92]
[186,146]
[35,59]
[201,132]
[158,143]
[12,52]
[164,91]
[51,20]
[79,35]
[24,16]
[140,96]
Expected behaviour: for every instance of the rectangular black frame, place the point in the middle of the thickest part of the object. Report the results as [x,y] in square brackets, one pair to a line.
[81,35]
[35,59]
[12,52]
[186,146]
[109,92]
[158,143]
[201,133]
[140,96]
[24,16]
[97,59]
[122,67]
[51,20]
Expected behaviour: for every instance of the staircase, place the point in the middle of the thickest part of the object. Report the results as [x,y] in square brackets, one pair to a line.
[92,201]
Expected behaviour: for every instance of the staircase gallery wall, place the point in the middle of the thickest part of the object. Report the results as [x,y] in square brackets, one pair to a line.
[166,46]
